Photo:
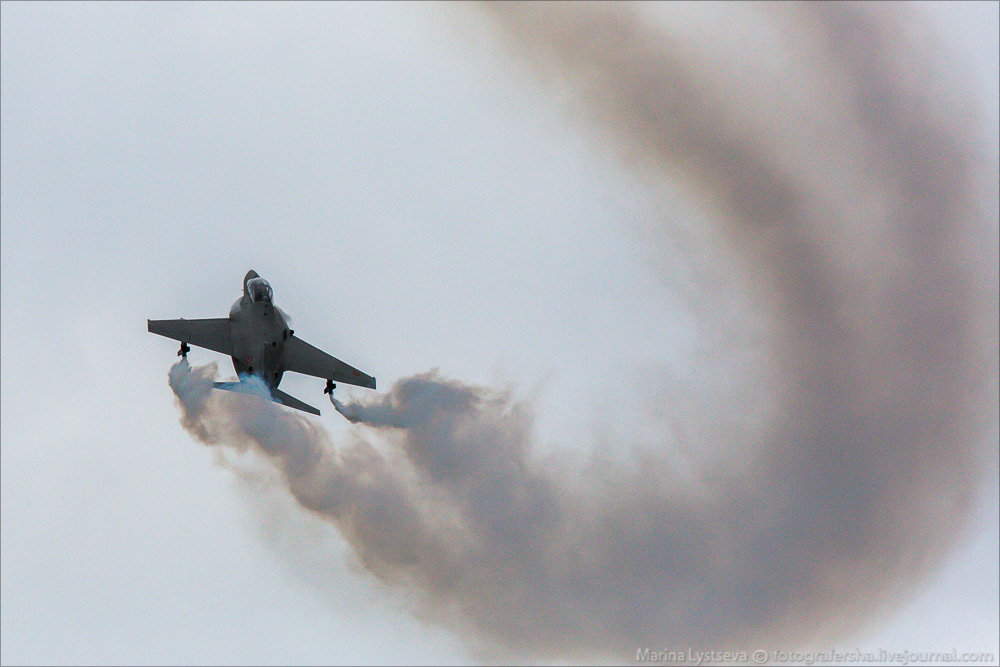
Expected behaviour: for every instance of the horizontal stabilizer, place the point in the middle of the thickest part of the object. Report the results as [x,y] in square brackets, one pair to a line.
[293,402]
[277,395]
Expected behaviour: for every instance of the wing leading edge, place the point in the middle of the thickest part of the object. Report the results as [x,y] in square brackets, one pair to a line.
[213,334]
[301,357]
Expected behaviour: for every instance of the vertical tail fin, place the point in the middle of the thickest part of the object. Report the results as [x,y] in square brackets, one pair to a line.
[251,274]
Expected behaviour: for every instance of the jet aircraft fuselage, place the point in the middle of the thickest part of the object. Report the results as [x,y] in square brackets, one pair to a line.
[259,332]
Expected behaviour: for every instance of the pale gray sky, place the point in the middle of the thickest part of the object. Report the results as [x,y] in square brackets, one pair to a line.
[413,203]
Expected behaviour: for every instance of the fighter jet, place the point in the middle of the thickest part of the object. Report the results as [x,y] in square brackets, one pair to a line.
[260,343]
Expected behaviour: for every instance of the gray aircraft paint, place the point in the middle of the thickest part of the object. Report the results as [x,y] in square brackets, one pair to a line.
[259,332]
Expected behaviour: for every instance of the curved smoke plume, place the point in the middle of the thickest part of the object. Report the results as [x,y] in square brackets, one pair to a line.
[850,213]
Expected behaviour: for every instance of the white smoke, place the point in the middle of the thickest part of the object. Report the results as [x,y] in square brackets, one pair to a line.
[848,218]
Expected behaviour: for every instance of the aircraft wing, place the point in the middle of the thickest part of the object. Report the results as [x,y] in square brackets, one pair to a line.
[301,357]
[212,334]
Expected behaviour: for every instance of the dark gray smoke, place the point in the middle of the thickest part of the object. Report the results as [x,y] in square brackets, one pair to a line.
[848,207]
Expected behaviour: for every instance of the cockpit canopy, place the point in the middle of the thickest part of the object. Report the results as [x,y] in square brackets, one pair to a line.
[259,290]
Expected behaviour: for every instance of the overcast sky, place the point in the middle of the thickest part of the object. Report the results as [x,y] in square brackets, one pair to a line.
[413,201]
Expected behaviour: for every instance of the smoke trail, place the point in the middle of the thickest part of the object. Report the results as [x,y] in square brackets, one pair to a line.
[853,240]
